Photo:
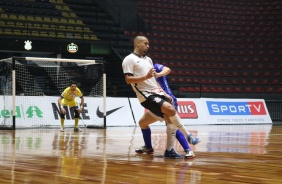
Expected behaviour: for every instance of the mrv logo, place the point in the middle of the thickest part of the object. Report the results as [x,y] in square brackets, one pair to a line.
[69,112]
[187,109]
[236,108]
[30,112]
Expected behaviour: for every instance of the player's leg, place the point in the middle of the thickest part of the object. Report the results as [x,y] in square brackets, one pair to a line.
[170,152]
[189,136]
[170,111]
[154,104]
[144,123]
[74,107]
[62,120]
[62,115]
[183,141]
[76,119]
[172,115]
[170,131]
[180,137]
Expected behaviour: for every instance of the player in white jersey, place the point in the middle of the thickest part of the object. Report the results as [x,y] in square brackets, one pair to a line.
[141,66]
[139,71]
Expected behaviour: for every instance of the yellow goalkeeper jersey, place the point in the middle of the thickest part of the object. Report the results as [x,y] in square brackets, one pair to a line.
[70,95]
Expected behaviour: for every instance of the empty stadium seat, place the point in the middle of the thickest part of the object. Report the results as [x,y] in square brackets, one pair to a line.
[22,17]
[30,18]
[17,32]
[47,19]
[4,16]
[10,24]
[52,34]
[63,21]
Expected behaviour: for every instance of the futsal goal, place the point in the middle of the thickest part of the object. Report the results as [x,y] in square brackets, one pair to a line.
[30,87]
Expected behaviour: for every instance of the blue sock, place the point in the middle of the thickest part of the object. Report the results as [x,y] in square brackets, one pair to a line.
[182,140]
[147,137]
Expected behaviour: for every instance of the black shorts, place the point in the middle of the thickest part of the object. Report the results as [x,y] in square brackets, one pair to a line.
[154,103]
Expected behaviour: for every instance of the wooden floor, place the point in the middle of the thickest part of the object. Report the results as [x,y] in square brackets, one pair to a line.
[227,154]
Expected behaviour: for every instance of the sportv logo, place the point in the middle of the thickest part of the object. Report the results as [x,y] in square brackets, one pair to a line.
[31,112]
[236,108]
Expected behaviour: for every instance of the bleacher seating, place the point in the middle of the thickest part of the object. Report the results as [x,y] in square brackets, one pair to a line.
[224,46]
[217,46]
[42,18]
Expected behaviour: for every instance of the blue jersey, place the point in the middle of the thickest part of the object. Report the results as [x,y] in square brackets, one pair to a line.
[163,83]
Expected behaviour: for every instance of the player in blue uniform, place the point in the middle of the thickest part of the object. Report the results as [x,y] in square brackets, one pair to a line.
[161,72]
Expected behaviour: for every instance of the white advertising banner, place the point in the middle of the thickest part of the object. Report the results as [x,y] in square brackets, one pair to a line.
[189,110]
[43,111]
[123,115]
[236,111]
[200,111]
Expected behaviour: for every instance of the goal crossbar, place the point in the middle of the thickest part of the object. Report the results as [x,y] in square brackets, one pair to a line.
[60,60]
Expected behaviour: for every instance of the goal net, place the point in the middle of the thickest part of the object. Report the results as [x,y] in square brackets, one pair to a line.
[30,87]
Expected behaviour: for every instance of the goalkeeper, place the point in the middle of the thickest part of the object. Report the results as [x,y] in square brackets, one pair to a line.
[67,98]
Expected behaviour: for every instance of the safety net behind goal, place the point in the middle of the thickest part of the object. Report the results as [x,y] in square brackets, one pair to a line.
[30,87]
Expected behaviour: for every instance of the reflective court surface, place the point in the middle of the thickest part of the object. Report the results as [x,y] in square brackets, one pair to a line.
[226,154]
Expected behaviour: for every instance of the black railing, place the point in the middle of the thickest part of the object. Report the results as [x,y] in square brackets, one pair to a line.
[275,109]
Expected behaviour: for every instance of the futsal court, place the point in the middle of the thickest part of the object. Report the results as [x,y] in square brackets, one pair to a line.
[226,154]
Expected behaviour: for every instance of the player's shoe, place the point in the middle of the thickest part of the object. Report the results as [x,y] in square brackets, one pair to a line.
[172,154]
[189,154]
[143,149]
[62,129]
[76,129]
[193,140]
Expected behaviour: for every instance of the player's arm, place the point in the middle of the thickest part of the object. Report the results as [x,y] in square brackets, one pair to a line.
[82,102]
[60,101]
[129,78]
[80,95]
[165,94]
[61,105]
[165,71]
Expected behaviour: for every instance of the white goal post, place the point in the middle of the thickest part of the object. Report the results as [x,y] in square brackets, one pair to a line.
[30,87]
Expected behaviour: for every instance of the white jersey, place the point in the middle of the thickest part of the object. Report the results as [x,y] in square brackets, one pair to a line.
[140,66]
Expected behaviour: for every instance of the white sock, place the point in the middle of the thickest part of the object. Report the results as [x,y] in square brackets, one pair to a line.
[176,122]
[170,136]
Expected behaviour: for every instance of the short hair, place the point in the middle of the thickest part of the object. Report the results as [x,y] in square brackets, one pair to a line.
[137,38]
[73,82]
